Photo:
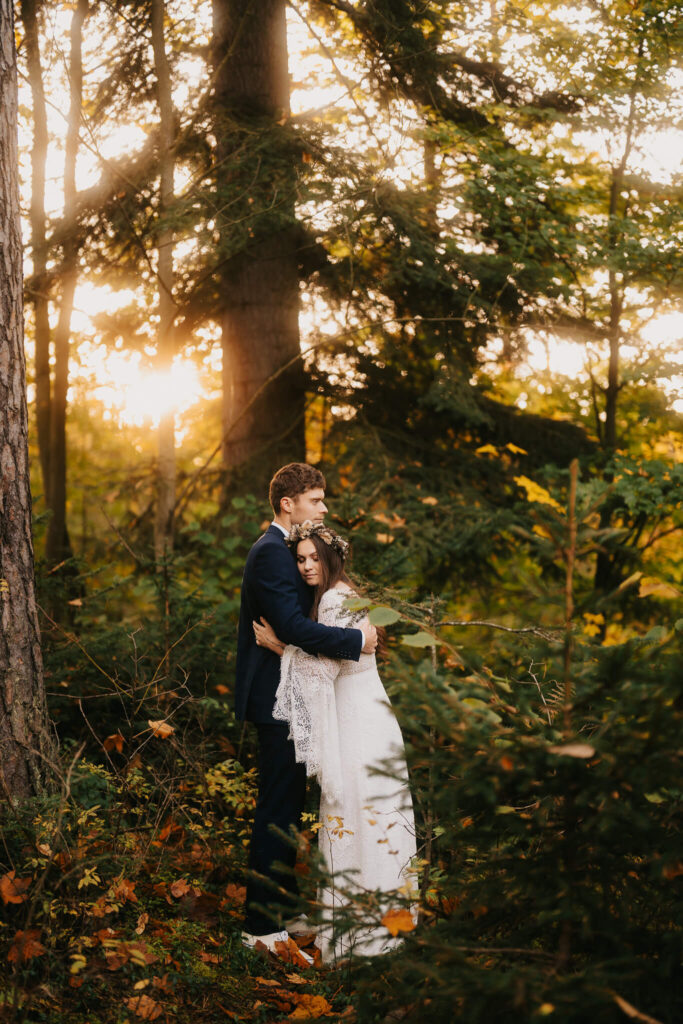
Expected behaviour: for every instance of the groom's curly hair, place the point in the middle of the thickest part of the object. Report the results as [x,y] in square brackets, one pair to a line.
[292,480]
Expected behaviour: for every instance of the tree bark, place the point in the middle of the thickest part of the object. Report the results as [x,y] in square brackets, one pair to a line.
[58,545]
[39,288]
[25,740]
[166,461]
[263,383]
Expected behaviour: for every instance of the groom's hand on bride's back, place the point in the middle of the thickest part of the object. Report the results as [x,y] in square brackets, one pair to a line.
[370,637]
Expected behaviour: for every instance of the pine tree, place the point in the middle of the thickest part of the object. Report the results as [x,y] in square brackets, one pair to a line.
[263,417]
[25,740]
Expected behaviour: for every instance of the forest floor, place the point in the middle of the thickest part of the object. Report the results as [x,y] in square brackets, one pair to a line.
[159,941]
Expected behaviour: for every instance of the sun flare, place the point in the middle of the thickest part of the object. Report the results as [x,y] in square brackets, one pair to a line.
[137,396]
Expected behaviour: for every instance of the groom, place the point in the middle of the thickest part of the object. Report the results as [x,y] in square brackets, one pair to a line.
[273,588]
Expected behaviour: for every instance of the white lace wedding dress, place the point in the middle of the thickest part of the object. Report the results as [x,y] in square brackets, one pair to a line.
[345,732]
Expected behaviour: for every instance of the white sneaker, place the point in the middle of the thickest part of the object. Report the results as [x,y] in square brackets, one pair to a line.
[269,942]
[301,925]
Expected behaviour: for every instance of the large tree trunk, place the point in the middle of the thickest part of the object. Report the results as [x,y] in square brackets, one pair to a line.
[38,293]
[166,462]
[58,545]
[25,741]
[263,386]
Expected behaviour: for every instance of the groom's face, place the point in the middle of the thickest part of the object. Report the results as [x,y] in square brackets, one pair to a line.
[309,505]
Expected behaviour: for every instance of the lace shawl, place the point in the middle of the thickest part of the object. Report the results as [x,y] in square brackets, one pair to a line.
[305,699]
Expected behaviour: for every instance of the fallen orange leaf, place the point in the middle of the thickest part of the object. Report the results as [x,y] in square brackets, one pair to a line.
[180,888]
[115,960]
[290,953]
[210,958]
[236,893]
[114,742]
[396,921]
[13,889]
[144,1007]
[124,890]
[309,1007]
[25,947]
[162,983]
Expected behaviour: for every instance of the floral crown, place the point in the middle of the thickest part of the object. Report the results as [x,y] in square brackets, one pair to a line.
[307,529]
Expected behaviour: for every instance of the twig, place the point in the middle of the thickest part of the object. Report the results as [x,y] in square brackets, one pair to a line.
[74,640]
[503,950]
[550,633]
[538,687]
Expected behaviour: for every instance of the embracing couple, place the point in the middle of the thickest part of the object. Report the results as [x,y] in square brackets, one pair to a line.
[307,678]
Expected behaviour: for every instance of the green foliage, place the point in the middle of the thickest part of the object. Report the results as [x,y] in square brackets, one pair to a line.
[552,834]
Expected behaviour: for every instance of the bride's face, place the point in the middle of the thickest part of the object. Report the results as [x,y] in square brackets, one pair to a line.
[308,563]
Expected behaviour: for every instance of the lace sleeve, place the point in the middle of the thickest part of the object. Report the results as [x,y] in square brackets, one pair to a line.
[305,699]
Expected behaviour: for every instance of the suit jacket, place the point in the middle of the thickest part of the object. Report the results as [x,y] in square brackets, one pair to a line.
[273,588]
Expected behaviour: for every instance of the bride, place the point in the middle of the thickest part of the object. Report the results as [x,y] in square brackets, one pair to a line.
[345,732]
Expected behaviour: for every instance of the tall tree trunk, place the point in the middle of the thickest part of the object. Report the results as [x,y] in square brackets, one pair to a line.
[38,294]
[166,464]
[58,545]
[263,384]
[616,288]
[25,740]
[606,578]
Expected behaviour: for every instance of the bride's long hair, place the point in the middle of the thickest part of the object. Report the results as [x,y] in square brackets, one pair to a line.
[331,571]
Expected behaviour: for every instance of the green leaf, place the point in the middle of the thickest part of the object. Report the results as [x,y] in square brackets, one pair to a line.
[655,798]
[383,616]
[656,634]
[420,639]
[354,604]
[504,809]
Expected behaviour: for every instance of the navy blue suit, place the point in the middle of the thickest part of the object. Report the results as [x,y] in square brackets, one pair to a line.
[273,588]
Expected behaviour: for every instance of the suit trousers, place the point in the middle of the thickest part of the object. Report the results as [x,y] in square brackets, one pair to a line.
[281,796]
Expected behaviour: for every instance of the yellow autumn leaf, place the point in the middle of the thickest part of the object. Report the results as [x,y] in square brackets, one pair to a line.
[535,492]
[652,587]
[515,449]
[396,921]
[487,449]
[79,963]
